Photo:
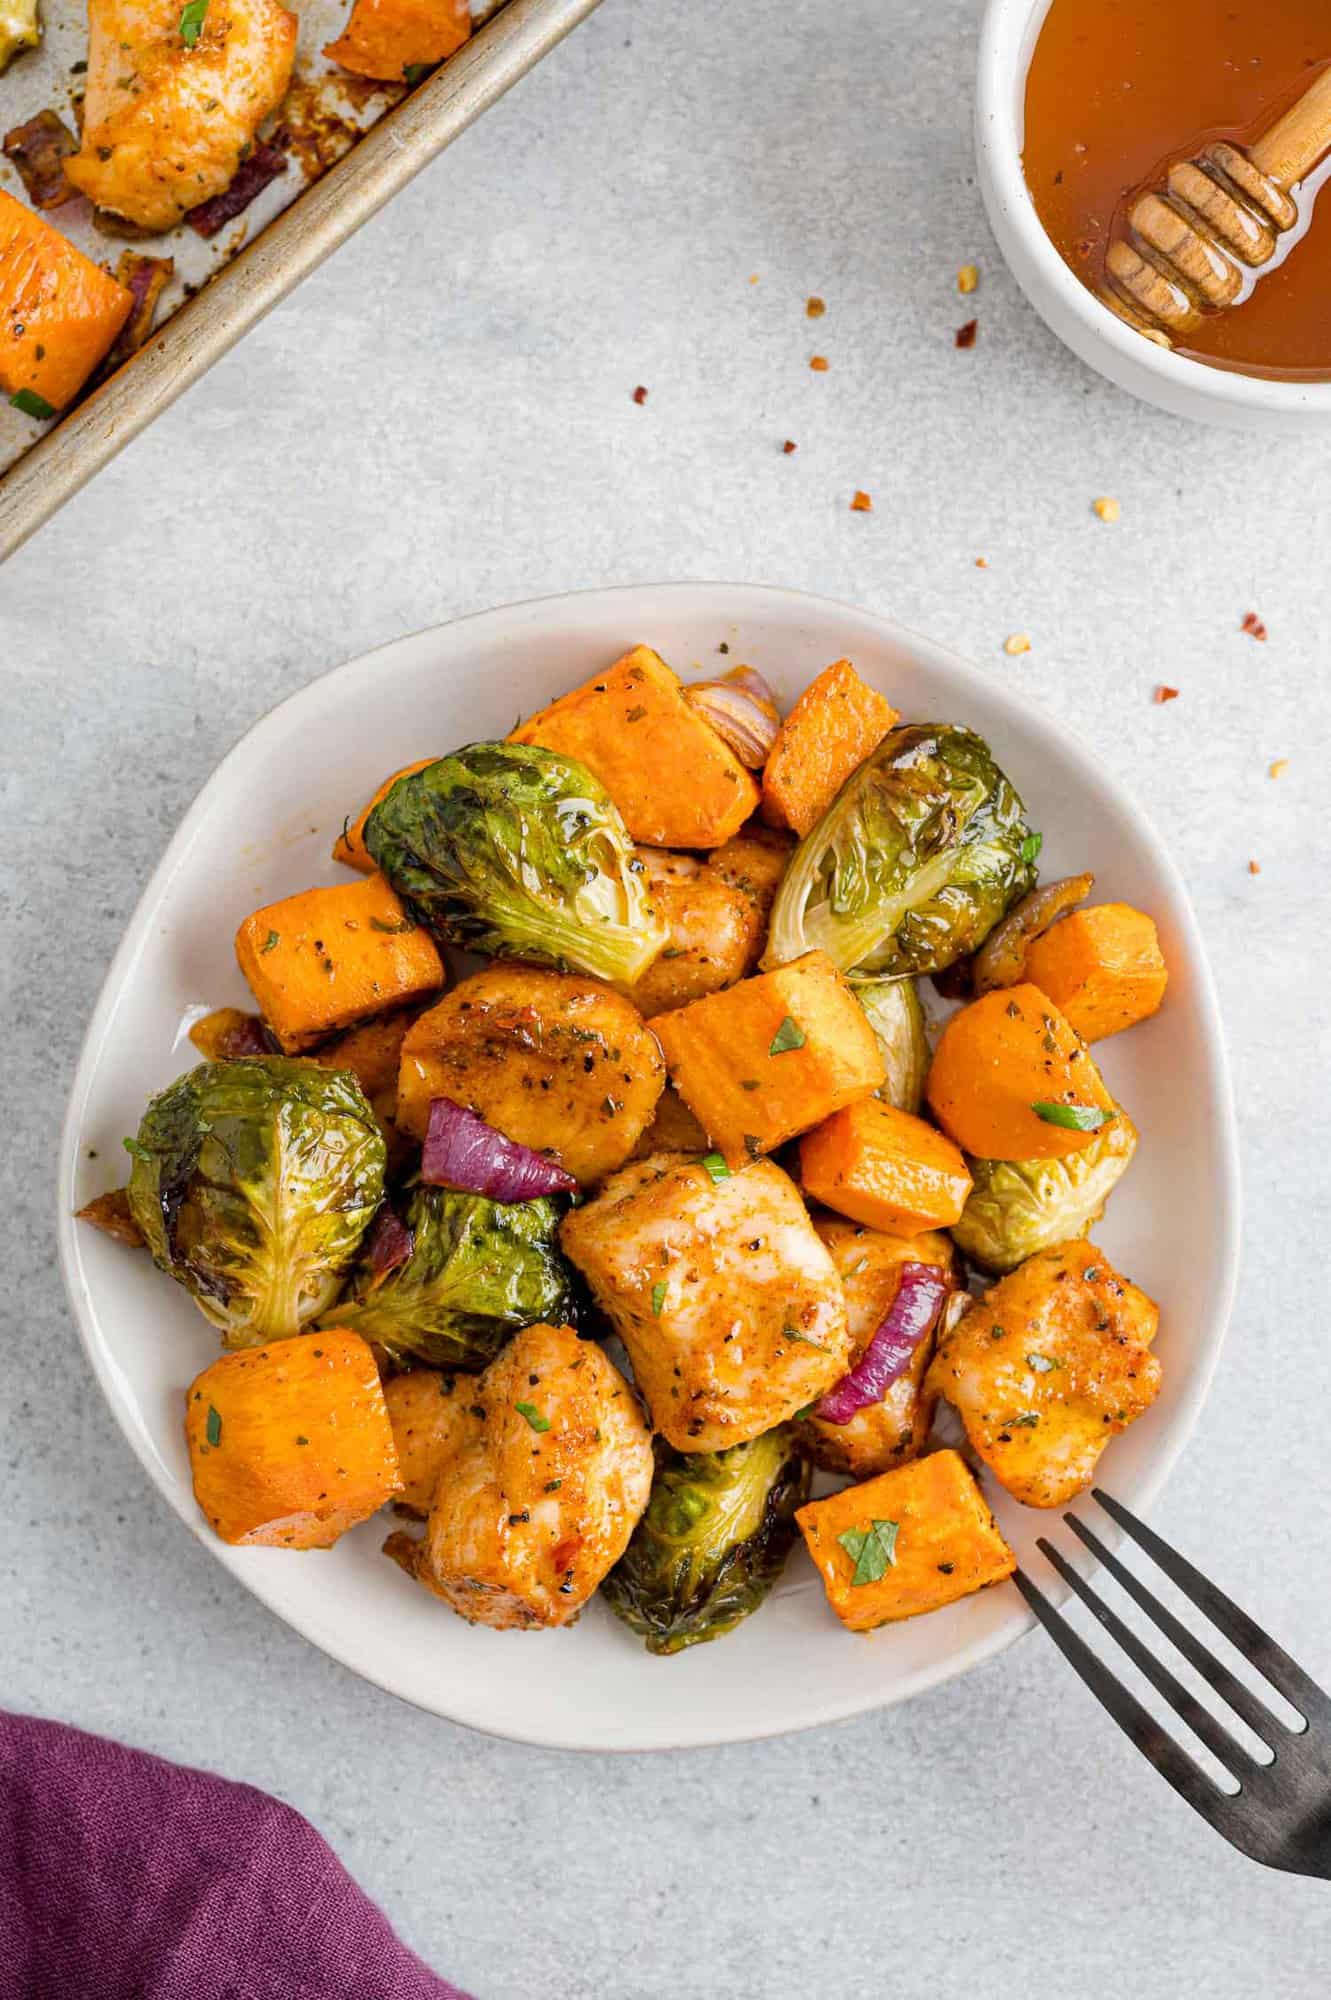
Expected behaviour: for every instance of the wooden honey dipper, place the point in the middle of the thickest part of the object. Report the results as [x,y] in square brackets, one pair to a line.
[1192,244]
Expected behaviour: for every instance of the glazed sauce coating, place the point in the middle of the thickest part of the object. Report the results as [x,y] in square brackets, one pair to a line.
[1117,89]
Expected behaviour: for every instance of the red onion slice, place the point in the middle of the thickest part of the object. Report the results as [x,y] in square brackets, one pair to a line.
[462,1151]
[908,1321]
[389,1242]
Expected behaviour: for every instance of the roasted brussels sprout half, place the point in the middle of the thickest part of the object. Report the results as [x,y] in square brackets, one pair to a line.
[517,852]
[923,849]
[714,1539]
[478,1270]
[1017,1207]
[897,1020]
[253,1183]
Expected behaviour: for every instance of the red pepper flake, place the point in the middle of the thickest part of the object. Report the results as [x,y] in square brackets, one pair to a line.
[818,363]
[789,446]
[1253,626]
[862,503]
[815,307]
[1163,693]
[640,394]
[1254,867]
[965,335]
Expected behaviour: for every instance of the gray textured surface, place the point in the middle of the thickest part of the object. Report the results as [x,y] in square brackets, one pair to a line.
[442,420]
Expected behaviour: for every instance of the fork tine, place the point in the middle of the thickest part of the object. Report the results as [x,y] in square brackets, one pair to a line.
[1198,1718]
[1257,1646]
[1241,1699]
[1136,1722]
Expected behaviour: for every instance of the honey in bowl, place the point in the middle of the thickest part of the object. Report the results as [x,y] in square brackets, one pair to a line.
[1120,90]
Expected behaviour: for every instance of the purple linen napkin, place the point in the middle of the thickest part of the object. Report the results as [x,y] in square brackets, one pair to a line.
[128,1878]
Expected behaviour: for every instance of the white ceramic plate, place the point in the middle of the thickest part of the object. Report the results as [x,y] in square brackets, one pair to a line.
[262,827]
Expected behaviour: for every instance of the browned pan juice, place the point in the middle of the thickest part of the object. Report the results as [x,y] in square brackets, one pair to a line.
[1119,88]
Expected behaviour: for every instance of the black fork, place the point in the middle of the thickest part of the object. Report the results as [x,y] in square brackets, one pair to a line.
[1281,1813]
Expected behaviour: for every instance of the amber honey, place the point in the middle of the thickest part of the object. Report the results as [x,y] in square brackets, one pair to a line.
[1117,89]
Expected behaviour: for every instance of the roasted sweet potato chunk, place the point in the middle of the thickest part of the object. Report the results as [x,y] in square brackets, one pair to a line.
[716,932]
[58,311]
[828,734]
[675,782]
[386,38]
[772,1056]
[290,1445]
[1000,1057]
[554,1060]
[1102,968]
[1047,1367]
[883,1167]
[328,958]
[907,1542]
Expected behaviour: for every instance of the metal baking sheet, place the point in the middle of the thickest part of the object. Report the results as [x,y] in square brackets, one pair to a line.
[353,145]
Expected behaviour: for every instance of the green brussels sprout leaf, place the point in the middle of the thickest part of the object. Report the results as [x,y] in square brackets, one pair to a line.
[1016,1207]
[918,856]
[516,852]
[478,1270]
[253,1183]
[897,1020]
[713,1541]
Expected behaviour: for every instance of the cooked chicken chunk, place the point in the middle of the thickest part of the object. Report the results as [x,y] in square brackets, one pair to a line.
[895,1429]
[717,932]
[164,121]
[533,1509]
[728,1303]
[1048,1367]
[433,1415]
[554,1060]
[754,862]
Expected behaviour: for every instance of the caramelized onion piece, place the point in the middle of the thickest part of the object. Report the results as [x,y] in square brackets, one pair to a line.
[111,1214]
[742,710]
[1001,959]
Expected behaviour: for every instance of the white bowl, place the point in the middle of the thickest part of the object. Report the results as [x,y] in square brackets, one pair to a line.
[1186,388]
[261,828]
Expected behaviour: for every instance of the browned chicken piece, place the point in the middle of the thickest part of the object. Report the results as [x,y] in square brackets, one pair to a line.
[554,1060]
[754,862]
[673,1129]
[1047,1367]
[895,1429]
[166,119]
[532,1511]
[728,1303]
[433,1414]
[716,931]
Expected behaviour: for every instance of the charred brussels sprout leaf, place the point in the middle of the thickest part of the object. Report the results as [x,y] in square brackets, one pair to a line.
[913,863]
[1017,1207]
[516,852]
[714,1538]
[478,1270]
[253,1183]
[897,1019]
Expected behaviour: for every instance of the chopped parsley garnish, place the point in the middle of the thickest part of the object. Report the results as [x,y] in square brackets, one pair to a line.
[873,1550]
[414,73]
[533,1416]
[135,1150]
[1072,1117]
[192,20]
[658,1297]
[1025,1422]
[793,1333]
[31,404]
[807,1411]
[213,1427]
[271,942]
[715,1166]
[1030,847]
[789,1035]
[553,1485]
[1091,1273]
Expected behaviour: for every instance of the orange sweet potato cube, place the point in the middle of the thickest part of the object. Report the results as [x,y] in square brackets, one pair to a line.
[772,1056]
[349,848]
[61,311]
[1102,967]
[323,960]
[910,1541]
[882,1167]
[835,724]
[290,1445]
[386,38]
[674,780]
